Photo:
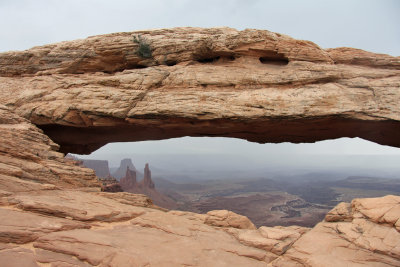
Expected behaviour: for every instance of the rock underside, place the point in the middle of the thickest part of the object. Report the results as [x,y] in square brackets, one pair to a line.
[52,212]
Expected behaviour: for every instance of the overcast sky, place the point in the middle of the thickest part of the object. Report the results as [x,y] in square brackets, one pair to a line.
[367,24]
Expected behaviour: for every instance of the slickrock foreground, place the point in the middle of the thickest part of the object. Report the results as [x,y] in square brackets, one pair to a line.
[363,233]
[222,82]
[251,84]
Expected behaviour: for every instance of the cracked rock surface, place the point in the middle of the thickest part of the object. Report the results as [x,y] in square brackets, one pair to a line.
[198,82]
[252,84]
[361,233]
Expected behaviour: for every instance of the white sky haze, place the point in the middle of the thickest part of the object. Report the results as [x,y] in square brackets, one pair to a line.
[367,24]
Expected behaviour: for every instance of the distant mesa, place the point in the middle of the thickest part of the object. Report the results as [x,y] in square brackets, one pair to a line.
[101,169]
[99,166]
[121,171]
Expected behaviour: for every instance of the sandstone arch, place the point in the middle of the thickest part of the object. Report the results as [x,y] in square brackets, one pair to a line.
[251,84]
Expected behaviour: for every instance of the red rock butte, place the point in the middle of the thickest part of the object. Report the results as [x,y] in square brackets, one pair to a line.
[253,84]
[257,85]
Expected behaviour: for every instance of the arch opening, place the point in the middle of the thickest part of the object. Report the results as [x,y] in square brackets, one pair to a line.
[84,140]
[272,184]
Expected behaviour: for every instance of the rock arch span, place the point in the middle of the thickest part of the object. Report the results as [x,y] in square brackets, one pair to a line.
[252,84]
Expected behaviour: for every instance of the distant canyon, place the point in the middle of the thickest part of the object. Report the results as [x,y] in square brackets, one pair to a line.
[265,201]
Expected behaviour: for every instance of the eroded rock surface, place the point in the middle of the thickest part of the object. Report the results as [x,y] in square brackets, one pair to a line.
[21,227]
[29,159]
[225,218]
[251,84]
[123,230]
[197,82]
[363,233]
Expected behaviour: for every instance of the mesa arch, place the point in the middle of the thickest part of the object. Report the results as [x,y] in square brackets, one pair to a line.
[252,84]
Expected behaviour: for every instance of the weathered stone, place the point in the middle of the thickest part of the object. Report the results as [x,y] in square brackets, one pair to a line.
[78,205]
[225,218]
[353,56]
[364,235]
[273,239]
[115,52]
[23,227]
[251,84]
[29,159]
[342,212]
[137,200]
[132,240]
[385,210]
[18,257]
[154,239]
[58,259]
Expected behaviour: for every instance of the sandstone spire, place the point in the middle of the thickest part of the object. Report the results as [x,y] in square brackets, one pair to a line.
[121,171]
[129,181]
[147,182]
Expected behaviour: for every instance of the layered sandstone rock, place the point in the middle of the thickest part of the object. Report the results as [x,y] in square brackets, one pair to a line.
[77,228]
[363,233]
[251,84]
[29,160]
[225,218]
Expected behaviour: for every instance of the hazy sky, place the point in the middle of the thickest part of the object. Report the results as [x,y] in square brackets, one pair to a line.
[219,145]
[367,24]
